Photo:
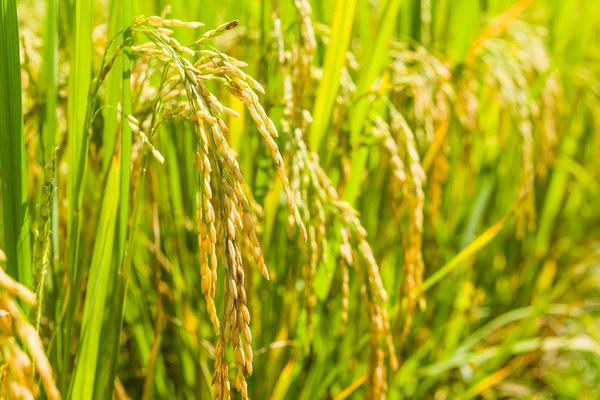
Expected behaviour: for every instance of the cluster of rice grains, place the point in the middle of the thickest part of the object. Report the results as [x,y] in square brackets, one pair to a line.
[17,379]
[419,80]
[420,83]
[321,204]
[513,64]
[326,205]
[295,66]
[407,184]
[356,252]
[223,210]
[423,81]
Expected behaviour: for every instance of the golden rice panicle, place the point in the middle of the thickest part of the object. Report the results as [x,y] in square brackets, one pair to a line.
[156,21]
[18,383]
[134,124]
[522,108]
[437,176]
[413,202]
[367,270]
[378,329]
[267,129]
[345,261]
[432,95]
[224,214]
[207,237]
[206,216]
[549,109]
[216,32]
[511,75]
[14,288]
[277,31]
[345,297]
[398,181]
[18,361]
[303,182]
[375,292]
[427,80]
[183,24]
[408,192]
[236,317]
[306,27]
[382,129]
[221,386]
[243,218]
[309,274]
[376,380]
[526,216]
[250,230]
[467,104]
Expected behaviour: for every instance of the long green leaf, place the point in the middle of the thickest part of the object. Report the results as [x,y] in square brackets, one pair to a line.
[80,79]
[50,124]
[13,166]
[376,62]
[123,231]
[335,59]
[98,286]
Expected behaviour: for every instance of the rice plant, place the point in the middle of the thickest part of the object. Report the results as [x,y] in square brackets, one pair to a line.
[299,199]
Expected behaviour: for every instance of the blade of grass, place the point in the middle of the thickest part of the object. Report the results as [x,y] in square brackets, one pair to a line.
[98,285]
[553,343]
[497,376]
[13,166]
[50,124]
[50,71]
[126,138]
[80,79]
[285,380]
[352,388]
[335,59]
[509,317]
[376,63]
[113,91]
[463,25]
[124,236]
[78,137]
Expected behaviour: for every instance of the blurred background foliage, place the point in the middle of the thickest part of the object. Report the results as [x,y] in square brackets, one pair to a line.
[464,137]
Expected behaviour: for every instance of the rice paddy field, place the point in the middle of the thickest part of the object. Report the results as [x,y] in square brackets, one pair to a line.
[300,199]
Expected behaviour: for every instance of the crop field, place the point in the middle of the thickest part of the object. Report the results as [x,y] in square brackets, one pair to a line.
[300,199]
